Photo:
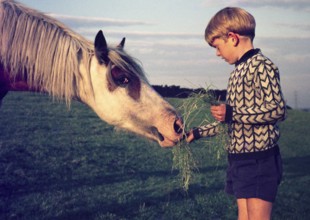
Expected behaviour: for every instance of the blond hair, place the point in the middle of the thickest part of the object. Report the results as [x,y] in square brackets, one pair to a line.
[230,19]
[47,54]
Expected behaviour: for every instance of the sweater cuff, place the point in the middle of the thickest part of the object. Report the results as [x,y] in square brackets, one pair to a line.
[229,114]
[196,133]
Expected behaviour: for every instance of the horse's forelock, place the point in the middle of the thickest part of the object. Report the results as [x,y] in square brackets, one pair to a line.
[126,62]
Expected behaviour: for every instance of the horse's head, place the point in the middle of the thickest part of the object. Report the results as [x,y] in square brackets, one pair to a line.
[123,97]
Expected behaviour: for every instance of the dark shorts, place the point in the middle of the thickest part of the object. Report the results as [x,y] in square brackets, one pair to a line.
[254,178]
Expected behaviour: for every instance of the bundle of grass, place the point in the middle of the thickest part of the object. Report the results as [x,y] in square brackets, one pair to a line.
[196,112]
[184,161]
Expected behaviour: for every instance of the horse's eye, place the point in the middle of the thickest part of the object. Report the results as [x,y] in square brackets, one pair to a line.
[123,81]
[119,77]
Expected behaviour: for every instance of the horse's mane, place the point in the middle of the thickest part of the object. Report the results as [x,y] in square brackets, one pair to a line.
[37,45]
[46,53]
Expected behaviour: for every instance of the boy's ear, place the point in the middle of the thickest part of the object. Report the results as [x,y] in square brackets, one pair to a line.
[234,38]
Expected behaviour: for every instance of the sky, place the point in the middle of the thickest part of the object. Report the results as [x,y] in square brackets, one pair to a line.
[167,37]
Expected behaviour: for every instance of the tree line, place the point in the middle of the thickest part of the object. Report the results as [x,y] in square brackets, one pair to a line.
[179,92]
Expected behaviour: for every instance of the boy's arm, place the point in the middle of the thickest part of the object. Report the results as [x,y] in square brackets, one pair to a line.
[203,131]
[273,108]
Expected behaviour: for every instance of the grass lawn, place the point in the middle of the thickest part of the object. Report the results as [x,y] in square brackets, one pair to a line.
[57,163]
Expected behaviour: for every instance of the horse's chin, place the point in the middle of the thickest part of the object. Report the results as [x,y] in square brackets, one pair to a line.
[167,143]
[151,133]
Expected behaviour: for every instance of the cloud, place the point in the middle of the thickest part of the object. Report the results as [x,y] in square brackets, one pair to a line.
[81,21]
[287,4]
[89,26]
[300,27]
[293,4]
[142,34]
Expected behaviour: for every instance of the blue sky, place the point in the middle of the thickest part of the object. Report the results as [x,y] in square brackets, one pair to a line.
[167,36]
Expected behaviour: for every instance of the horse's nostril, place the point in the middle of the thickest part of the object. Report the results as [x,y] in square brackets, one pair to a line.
[178,126]
[155,131]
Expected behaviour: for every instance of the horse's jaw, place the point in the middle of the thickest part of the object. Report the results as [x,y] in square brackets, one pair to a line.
[161,124]
[166,131]
[163,138]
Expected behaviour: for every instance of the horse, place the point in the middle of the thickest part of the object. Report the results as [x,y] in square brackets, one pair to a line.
[40,54]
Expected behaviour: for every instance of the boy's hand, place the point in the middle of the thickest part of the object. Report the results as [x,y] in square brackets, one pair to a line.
[219,112]
[190,136]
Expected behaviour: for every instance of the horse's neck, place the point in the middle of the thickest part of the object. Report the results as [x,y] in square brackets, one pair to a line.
[8,83]
[84,88]
[3,90]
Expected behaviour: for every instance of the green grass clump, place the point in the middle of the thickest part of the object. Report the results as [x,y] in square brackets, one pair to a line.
[184,161]
[192,109]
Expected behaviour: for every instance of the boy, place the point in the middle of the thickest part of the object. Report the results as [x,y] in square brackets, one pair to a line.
[254,106]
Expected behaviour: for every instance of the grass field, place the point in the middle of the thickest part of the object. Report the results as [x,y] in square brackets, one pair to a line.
[61,164]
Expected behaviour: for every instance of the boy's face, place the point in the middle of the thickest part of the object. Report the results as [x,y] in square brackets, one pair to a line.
[226,49]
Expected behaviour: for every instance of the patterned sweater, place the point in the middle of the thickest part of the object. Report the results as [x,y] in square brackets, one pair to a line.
[254,106]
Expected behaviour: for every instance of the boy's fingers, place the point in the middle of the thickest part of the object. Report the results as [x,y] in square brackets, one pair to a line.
[189,137]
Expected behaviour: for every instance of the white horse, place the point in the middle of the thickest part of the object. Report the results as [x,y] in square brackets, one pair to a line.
[40,54]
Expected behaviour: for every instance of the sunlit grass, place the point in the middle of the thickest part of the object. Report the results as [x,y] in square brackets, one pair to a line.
[61,164]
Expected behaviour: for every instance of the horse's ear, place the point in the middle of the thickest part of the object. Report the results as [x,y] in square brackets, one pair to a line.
[122,43]
[101,48]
